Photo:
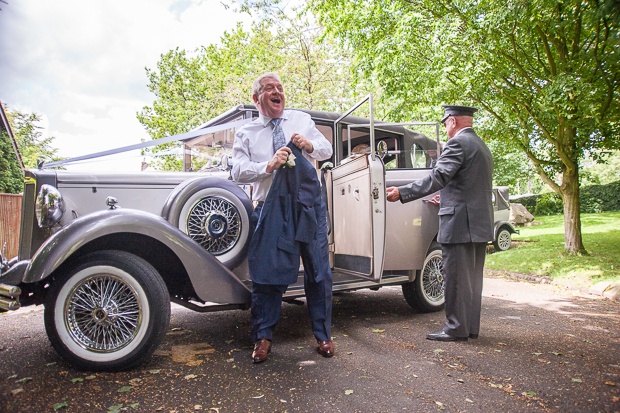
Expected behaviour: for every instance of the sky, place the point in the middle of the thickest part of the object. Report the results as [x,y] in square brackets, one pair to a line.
[81,65]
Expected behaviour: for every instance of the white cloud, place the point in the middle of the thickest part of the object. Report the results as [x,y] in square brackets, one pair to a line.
[81,64]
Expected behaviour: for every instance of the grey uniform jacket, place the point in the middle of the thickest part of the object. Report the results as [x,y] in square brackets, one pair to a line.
[464,174]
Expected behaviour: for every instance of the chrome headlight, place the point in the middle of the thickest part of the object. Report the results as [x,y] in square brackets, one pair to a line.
[49,207]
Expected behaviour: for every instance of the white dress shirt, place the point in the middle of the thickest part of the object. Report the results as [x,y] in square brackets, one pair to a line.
[253,148]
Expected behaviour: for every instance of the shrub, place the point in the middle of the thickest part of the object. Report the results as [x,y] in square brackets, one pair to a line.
[594,199]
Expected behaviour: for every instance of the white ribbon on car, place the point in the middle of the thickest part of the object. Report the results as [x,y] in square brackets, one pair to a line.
[155,142]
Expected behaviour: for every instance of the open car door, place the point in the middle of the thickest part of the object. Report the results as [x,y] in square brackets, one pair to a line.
[358,202]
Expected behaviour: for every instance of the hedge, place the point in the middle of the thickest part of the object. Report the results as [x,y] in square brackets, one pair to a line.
[594,198]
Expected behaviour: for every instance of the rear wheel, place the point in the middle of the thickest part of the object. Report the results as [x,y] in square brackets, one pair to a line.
[109,312]
[426,292]
[503,240]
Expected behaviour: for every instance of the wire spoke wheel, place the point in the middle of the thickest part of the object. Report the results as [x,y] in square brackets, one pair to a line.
[427,292]
[215,223]
[103,313]
[108,311]
[432,278]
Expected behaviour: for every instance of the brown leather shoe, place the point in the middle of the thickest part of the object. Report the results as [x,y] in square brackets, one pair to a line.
[261,349]
[325,348]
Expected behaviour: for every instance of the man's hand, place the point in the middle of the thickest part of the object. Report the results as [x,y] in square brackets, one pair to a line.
[279,159]
[434,200]
[392,194]
[302,143]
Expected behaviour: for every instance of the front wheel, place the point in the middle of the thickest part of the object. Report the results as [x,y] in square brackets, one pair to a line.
[108,313]
[426,292]
[503,240]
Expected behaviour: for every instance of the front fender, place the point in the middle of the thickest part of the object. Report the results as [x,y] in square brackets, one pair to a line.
[211,280]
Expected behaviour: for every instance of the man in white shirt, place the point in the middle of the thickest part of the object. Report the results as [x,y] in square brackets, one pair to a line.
[256,161]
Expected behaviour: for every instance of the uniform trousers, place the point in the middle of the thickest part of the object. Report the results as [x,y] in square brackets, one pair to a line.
[463,266]
[267,298]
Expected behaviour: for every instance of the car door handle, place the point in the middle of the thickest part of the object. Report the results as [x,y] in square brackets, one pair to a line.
[356,194]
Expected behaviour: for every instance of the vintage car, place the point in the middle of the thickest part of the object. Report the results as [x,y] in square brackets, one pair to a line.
[107,253]
[503,229]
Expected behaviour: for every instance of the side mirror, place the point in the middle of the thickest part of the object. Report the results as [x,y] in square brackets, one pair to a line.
[382,149]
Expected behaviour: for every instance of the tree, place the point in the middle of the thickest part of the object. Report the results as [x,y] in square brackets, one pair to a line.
[32,145]
[546,73]
[193,87]
[11,177]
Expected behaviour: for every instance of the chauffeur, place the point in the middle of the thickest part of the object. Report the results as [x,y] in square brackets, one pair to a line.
[463,174]
[259,151]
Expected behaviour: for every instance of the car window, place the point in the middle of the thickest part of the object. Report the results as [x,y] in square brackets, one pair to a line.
[421,158]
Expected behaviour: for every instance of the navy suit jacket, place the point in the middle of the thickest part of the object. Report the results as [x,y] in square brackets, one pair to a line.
[287,227]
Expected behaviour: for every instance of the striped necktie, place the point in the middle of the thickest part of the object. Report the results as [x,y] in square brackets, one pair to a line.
[279,140]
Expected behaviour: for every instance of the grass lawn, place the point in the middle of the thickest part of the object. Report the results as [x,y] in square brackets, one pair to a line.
[539,250]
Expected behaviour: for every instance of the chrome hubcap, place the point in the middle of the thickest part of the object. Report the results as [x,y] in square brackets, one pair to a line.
[103,313]
[432,278]
[215,223]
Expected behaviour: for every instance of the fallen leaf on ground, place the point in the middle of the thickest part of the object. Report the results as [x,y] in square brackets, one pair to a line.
[376,330]
[577,380]
[300,347]
[90,377]
[190,376]
[135,382]
[348,392]
[77,379]
[60,405]
[155,371]
[468,400]
[24,380]
[17,391]
[115,409]
[611,383]
[258,397]
[439,403]
[530,393]
[438,351]
[134,405]
[124,389]
[501,344]
[194,363]
[229,341]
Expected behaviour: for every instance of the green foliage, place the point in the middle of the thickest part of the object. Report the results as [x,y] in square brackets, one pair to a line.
[540,251]
[11,177]
[593,199]
[30,141]
[546,73]
[600,167]
[193,87]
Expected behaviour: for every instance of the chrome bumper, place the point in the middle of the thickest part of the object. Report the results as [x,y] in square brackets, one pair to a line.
[9,297]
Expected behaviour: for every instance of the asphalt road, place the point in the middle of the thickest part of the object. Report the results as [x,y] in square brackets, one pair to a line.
[538,351]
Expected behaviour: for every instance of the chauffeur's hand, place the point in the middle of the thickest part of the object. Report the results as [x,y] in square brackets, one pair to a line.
[279,159]
[392,194]
[302,143]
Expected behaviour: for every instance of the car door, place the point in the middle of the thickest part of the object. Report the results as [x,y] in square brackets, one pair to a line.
[358,208]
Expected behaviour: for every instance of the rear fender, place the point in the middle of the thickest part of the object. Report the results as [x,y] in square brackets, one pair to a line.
[499,224]
[211,280]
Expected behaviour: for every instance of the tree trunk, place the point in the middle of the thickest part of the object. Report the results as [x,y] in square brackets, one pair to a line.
[573,243]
